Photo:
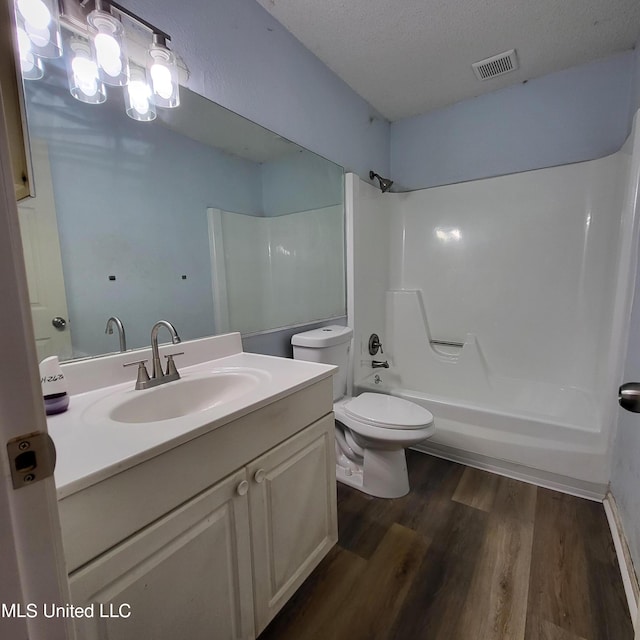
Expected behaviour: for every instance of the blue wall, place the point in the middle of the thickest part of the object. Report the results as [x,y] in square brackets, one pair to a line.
[299,182]
[570,116]
[242,58]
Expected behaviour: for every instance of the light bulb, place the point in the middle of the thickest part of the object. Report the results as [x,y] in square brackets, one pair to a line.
[27,63]
[108,54]
[162,81]
[86,75]
[110,48]
[39,20]
[138,96]
[139,93]
[35,13]
[39,37]
[163,72]
[24,43]
[83,74]
[30,65]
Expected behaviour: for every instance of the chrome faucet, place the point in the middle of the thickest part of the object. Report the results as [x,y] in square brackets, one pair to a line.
[109,331]
[157,372]
[158,376]
[377,364]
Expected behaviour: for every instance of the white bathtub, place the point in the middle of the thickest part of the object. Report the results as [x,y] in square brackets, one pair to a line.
[523,429]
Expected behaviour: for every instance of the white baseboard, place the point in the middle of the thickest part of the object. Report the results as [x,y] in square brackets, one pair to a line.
[629,579]
[571,486]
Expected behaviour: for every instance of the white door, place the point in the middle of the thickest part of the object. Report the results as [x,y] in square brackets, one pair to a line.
[43,261]
[31,556]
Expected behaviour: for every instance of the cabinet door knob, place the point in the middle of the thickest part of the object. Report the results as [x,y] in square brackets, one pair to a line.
[242,488]
[259,476]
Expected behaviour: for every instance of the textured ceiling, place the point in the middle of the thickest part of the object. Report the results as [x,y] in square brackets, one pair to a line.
[407,57]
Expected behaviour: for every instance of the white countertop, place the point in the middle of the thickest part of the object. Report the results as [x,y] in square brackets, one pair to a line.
[91,449]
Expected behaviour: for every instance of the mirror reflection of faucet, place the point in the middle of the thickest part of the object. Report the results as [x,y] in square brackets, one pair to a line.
[114,320]
[158,376]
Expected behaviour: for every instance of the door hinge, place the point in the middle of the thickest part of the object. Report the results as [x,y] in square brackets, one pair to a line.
[32,457]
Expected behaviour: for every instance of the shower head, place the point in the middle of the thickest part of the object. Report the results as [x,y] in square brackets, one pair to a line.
[385,183]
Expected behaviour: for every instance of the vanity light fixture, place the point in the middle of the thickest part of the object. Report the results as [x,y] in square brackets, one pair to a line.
[39,21]
[30,64]
[82,72]
[108,46]
[164,73]
[104,44]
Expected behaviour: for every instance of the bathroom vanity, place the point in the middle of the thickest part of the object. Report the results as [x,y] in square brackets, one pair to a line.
[200,525]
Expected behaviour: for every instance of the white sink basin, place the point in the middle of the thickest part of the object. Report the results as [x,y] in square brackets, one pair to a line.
[189,395]
[111,427]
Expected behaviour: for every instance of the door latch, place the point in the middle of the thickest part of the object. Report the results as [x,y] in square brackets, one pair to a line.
[32,457]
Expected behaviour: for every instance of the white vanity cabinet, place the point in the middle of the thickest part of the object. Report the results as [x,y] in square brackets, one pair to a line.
[224,562]
[186,576]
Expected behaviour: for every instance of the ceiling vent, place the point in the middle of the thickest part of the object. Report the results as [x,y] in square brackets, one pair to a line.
[496,65]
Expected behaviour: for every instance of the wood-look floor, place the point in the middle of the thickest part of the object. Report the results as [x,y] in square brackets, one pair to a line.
[467,555]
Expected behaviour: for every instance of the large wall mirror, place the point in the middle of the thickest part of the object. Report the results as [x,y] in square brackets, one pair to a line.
[200,217]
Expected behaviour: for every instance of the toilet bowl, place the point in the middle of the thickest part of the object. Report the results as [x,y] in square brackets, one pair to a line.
[372,429]
[372,432]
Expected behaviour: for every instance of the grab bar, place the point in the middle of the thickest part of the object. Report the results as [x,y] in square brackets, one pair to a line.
[446,343]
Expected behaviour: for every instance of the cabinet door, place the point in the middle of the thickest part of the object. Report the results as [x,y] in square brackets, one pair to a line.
[292,502]
[188,575]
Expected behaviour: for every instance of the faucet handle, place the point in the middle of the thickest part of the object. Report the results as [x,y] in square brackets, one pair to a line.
[171,365]
[374,344]
[143,374]
[138,362]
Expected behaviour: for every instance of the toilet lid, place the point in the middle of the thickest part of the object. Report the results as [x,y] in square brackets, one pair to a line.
[387,411]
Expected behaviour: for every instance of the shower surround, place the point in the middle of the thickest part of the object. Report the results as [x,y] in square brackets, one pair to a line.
[528,278]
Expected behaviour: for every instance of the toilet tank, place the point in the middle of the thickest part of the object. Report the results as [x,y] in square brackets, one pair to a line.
[328,345]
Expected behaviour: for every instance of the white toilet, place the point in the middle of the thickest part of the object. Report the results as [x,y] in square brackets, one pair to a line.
[372,430]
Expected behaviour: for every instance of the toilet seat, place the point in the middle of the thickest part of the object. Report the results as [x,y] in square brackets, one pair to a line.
[387,412]
[362,419]
[387,438]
